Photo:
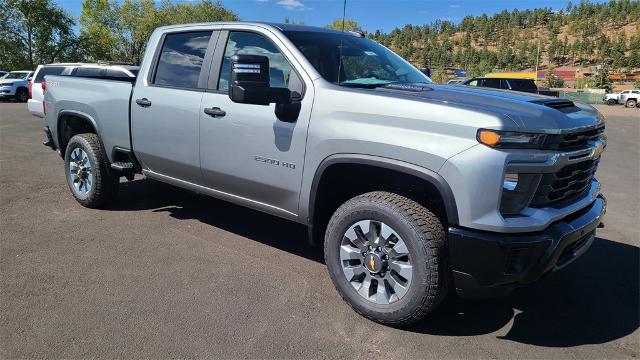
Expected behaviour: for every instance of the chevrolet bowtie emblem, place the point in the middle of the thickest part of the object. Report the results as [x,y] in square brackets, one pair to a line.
[372,263]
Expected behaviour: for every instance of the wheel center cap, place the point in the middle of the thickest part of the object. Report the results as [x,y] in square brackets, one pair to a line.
[373,263]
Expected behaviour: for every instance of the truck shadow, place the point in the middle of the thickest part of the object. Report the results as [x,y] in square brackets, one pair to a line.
[593,301]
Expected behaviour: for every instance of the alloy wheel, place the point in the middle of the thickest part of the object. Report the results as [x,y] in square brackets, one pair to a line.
[376,262]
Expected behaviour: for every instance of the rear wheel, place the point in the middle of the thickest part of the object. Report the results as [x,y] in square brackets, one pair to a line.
[611,102]
[88,176]
[386,255]
[631,103]
[22,95]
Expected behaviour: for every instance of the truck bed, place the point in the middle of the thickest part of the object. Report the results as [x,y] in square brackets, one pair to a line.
[103,102]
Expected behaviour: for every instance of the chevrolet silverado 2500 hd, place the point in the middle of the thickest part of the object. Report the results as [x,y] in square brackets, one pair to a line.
[417,189]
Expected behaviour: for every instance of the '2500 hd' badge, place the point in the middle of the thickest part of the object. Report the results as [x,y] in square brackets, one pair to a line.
[275,162]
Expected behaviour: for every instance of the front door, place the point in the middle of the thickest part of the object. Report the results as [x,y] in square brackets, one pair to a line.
[248,153]
[165,108]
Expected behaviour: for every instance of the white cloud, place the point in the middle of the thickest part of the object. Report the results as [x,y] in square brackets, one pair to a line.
[454,6]
[292,5]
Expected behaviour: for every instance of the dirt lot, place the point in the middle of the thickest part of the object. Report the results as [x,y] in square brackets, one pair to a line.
[167,273]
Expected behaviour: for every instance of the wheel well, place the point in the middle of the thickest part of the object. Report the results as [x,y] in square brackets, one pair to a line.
[341,182]
[71,125]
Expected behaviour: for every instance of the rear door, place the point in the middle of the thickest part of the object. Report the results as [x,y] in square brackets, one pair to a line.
[165,107]
[248,154]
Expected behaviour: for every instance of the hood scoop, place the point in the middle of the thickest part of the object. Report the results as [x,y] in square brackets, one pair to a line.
[562,105]
[416,87]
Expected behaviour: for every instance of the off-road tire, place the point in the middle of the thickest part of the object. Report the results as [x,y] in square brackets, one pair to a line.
[104,183]
[612,102]
[424,236]
[631,103]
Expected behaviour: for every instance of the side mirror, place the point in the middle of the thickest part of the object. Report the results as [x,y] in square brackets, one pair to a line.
[250,82]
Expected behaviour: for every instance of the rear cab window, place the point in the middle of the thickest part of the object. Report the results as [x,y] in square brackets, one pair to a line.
[92,72]
[181,60]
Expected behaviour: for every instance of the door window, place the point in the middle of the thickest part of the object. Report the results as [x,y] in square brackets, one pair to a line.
[492,83]
[181,59]
[240,42]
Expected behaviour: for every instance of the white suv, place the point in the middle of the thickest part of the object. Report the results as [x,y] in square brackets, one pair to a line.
[105,71]
[13,85]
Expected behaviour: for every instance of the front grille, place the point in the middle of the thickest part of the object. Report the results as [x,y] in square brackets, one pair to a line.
[579,140]
[561,188]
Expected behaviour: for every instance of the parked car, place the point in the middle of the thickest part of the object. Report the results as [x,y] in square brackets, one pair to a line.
[104,71]
[415,189]
[627,97]
[524,85]
[14,85]
[2,73]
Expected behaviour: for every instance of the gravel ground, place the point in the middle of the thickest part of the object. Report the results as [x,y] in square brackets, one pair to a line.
[167,273]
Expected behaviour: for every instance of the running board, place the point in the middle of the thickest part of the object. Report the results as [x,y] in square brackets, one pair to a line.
[123,167]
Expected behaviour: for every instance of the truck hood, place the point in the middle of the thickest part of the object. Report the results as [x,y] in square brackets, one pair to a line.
[528,112]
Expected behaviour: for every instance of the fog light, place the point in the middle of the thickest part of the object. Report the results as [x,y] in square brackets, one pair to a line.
[510,181]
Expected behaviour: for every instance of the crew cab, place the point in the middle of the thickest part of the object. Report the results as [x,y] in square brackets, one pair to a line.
[524,85]
[415,189]
[13,85]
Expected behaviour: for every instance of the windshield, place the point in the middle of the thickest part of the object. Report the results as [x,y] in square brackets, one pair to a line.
[365,63]
[15,75]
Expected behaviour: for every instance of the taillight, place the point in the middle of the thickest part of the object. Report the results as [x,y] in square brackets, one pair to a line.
[29,84]
[44,106]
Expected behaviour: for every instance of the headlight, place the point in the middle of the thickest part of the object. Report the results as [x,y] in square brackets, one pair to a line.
[510,139]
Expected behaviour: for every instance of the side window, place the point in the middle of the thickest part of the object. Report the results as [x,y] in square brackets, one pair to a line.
[636,92]
[473,83]
[625,92]
[88,72]
[117,74]
[490,82]
[47,70]
[181,59]
[250,43]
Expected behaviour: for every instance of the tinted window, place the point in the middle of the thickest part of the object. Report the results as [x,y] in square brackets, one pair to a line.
[117,74]
[88,72]
[636,92]
[254,44]
[523,85]
[181,59]
[48,70]
[473,83]
[492,83]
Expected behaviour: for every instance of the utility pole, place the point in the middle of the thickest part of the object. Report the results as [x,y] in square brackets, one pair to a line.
[537,59]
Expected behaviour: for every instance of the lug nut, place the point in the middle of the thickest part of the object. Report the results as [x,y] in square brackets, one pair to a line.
[364,254]
[382,274]
[378,248]
[370,248]
[386,257]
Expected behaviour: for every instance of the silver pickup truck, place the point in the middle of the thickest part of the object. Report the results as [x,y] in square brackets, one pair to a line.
[415,189]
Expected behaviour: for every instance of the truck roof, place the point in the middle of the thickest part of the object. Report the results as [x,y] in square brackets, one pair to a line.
[278,26]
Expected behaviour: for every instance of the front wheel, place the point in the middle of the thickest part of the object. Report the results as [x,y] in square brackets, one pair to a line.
[631,103]
[22,95]
[88,177]
[386,255]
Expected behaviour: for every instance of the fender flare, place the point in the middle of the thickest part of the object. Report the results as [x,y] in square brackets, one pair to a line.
[79,114]
[425,174]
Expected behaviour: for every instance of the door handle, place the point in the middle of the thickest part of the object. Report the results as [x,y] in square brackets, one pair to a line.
[215,112]
[144,102]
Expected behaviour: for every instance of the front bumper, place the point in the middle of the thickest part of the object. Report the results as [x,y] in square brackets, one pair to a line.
[7,91]
[489,264]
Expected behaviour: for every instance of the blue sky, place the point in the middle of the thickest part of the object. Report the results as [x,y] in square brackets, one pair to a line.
[370,14]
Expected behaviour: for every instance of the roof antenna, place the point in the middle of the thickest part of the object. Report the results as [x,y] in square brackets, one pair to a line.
[344,11]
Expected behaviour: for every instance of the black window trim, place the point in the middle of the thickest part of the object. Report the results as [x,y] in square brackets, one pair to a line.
[206,61]
[212,84]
